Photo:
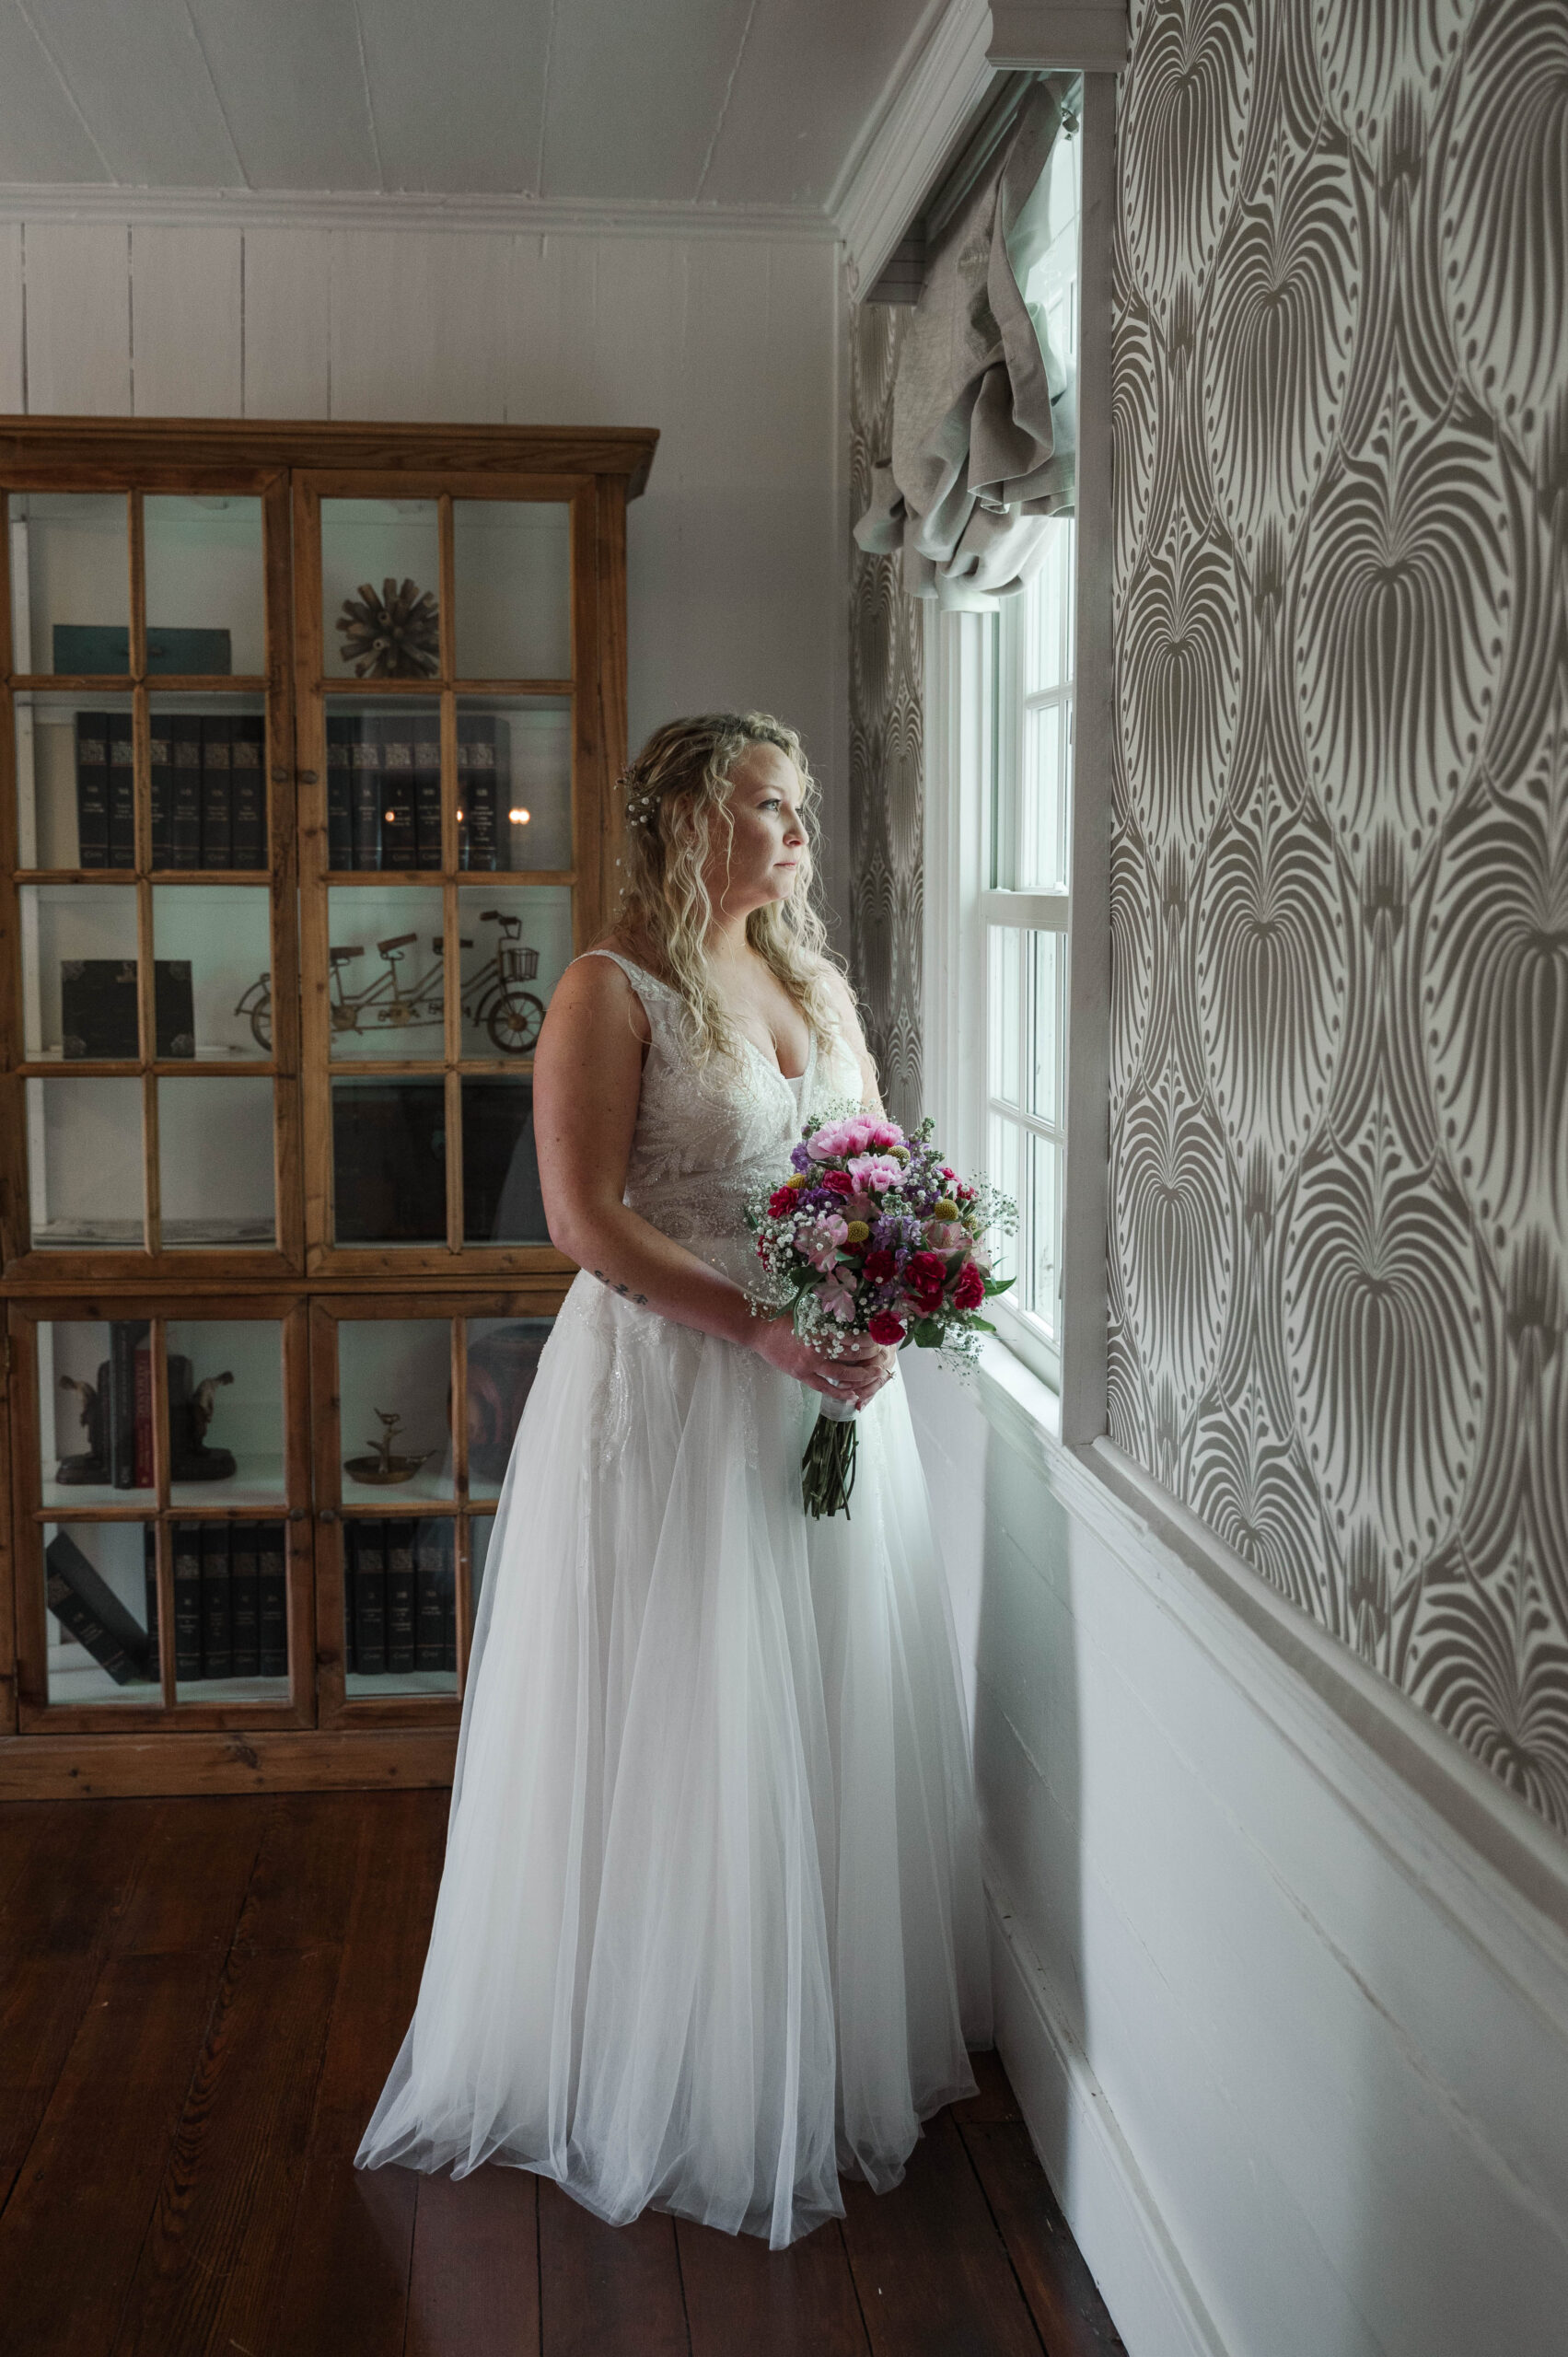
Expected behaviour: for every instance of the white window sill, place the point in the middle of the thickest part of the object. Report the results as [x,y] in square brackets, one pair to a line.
[1015,1401]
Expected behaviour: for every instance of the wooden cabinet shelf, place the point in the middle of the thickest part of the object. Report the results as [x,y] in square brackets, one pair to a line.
[276,938]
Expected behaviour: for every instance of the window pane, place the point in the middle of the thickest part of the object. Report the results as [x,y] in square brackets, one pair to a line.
[1049,967]
[384,783]
[230,1609]
[76,781]
[214,940]
[517,941]
[206,586]
[1005,1012]
[1047,659]
[395,1389]
[502,1204]
[71,582]
[225,1445]
[1005,1167]
[79,971]
[85,1163]
[97,1578]
[513,584]
[1042,848]
[502,1358]
[380,588]
[95,1411]
[215,1182]
[387,981]
[513,782]
[400,1605]
[207,781]
[482,1530]
[1043,1228]
[390,1161]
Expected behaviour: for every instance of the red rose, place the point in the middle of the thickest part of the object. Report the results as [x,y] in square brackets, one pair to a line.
[885,1327]
[880,1266]
[838,1182]
[969,1290]
[781,1200]
[925,1274]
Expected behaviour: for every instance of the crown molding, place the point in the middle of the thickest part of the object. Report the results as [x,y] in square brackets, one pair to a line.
[919,119]
[243,208]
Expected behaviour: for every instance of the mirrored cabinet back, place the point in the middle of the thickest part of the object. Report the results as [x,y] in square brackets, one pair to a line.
[307,736]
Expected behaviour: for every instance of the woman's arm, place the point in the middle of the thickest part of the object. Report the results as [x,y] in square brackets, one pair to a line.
[587,1079]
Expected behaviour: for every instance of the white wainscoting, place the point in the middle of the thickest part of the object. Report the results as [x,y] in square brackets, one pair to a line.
[1294,2054]
[728,339]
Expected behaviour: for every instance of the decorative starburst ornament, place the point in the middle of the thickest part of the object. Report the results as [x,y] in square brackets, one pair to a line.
[394,637]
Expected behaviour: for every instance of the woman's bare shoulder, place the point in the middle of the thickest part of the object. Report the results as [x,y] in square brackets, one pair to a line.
[594,989]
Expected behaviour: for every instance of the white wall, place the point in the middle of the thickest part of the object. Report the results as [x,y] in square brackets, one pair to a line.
[1295,2057]
[728,341]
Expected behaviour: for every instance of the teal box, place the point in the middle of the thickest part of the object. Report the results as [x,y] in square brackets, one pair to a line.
[104,651]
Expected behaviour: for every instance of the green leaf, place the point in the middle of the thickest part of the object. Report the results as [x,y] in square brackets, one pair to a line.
[992,1289]
[927,1333]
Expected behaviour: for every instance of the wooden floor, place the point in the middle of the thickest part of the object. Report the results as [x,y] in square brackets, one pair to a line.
[199,2000]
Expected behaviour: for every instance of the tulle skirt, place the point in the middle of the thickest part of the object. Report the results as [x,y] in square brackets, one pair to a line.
[710,1928]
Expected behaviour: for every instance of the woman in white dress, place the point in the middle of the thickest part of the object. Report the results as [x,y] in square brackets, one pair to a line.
[710,1929]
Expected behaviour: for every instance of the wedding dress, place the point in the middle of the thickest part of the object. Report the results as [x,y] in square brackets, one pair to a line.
[710,1929]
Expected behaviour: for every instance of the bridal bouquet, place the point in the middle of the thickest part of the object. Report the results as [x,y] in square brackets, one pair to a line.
[871,1233]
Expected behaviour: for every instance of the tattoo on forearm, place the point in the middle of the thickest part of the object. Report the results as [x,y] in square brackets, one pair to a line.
[626,1291]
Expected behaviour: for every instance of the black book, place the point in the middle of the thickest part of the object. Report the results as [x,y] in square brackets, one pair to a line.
[396,733]
[249,778]
[427,789]
[245,1600]
[340,793]
[370,1599]
[98,1007]
[366,805]
[187,1601]
[272,1566]
[400,1596]
[476,785]
[185,808]
[92,789]
[217,1606]
[161,790]
[217,790]
[503,796]
[82,1602]
[432,1574]
[351,1597]
[121,792]
[449,1626]
[149,1580]
[126,1334]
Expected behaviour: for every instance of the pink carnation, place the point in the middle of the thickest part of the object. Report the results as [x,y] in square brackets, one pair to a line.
[875,1171]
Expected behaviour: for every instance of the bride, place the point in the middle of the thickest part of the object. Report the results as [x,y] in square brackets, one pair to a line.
[710,1929]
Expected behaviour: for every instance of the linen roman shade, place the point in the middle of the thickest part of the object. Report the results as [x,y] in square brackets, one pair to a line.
[983,408]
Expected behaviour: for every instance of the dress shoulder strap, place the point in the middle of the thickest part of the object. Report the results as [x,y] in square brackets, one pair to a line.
[646,985]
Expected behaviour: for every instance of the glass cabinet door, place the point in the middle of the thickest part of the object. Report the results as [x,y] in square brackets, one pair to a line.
[147,745]
[443,750]
[169,1566]
[426,1400]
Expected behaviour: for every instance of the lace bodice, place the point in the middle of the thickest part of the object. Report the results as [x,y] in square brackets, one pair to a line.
[705,1139]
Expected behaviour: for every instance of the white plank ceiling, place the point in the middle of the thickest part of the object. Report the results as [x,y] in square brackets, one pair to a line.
[714,102]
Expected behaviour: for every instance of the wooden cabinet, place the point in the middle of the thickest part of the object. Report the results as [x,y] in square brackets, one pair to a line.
[307,746]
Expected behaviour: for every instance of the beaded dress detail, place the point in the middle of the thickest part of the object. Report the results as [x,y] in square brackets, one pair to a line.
[710,1929]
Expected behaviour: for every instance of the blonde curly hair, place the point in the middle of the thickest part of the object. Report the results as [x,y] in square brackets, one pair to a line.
[677,806]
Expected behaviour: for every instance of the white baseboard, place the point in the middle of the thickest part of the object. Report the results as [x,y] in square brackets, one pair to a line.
[1094,2173]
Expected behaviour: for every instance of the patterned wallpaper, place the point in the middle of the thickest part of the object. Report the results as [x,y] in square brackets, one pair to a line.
[1339,1091]
[886,761]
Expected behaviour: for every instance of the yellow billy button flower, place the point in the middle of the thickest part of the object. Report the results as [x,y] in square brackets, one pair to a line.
[798,1180]
[856,1231]
[944,1210]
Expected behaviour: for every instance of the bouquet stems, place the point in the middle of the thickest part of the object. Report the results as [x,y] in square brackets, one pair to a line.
[828,1466]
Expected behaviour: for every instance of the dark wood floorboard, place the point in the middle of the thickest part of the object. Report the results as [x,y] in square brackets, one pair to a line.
[200,2000]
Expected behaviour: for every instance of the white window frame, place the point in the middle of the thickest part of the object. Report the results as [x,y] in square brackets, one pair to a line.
[966,710]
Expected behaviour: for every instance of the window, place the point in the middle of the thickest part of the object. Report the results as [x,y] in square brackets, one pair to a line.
[1003,862]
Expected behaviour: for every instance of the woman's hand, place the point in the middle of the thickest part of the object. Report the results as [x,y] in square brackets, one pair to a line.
[858,1376]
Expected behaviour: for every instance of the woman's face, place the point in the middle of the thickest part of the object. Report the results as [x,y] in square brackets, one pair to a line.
[768,848]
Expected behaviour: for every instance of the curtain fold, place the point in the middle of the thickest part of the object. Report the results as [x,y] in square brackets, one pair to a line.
[983,439]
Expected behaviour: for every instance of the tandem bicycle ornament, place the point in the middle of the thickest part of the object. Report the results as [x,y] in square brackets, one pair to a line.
[409,992]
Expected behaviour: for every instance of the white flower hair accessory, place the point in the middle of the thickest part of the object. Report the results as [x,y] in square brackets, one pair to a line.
[642,802]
